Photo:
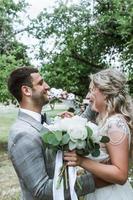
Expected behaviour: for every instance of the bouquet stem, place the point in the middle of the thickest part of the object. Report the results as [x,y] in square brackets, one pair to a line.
[66,177]
[63,175]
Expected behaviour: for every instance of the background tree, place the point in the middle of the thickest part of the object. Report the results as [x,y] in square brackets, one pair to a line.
[82,41]
[74,54]
[12,53]
[115,26]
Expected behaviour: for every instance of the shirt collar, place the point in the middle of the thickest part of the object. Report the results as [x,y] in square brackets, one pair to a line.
[35,115]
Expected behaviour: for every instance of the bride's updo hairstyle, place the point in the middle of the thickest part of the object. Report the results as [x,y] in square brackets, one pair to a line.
[112,83]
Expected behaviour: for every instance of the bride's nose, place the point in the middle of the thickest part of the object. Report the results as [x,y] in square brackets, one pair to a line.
[88,96]
[91,97]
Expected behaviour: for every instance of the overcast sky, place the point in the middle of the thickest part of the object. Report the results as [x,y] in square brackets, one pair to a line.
[36,6]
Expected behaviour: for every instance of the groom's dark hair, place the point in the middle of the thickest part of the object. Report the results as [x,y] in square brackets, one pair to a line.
[19,77]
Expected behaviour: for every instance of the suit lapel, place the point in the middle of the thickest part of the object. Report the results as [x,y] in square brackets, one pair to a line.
[30,120]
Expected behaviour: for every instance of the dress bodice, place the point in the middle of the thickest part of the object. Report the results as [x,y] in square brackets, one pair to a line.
[116,129]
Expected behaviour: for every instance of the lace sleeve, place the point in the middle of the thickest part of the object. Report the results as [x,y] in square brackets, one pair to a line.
[117,130]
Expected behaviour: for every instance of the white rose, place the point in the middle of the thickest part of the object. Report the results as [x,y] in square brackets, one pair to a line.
[77,132]
[80,144]
[79,120]
[54,127]
[65,123]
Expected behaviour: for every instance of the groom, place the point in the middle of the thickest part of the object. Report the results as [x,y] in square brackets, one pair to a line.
[33,162]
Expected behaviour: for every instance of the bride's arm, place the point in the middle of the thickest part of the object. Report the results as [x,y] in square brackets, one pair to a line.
[100,182]
[117,172]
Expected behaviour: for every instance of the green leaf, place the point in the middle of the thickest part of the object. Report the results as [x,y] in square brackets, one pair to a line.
[89,131]
[45,137]
[81,144]
[72,145]
[90,143]
[65,147]
[51,138]
[51,147]
[58,135]
[97,146]
[105,139]
[65,139]
[83,152]
[80,152]
[95,153]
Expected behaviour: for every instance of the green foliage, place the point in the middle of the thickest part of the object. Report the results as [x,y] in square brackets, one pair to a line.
[65,139]
[62,140]
[96,153]
[74,52]
[12,53]
[104,139]
[89,131]
[82,40]
[56,139]
[114,25]
[9,17]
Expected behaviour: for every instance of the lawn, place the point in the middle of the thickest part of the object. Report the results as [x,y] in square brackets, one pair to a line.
[5,122]
[9,187]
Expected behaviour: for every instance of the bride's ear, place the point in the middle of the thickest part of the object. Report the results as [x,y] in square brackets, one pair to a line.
[26,90]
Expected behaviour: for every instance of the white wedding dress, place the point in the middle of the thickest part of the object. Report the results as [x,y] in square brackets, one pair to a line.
[115,191]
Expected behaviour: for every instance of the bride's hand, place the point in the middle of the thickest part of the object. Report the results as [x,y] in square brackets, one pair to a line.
[72,158]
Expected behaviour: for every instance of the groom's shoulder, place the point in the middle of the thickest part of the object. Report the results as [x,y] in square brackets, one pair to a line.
[19,125]
[22,128]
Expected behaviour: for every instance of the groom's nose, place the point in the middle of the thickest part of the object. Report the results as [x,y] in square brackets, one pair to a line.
[46,86]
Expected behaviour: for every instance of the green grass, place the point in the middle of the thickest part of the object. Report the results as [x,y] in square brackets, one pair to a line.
[6,121]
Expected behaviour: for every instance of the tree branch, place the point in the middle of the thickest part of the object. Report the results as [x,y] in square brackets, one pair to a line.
[78,57]
[22,30]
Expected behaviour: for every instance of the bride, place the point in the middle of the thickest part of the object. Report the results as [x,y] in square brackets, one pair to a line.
[109,97]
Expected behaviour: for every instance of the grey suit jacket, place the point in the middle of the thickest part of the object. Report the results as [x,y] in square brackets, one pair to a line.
[89,114]
[34,163]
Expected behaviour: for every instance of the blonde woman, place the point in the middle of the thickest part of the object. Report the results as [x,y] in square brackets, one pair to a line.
[110,98]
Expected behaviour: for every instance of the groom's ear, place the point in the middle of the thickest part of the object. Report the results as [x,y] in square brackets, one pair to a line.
[26,90]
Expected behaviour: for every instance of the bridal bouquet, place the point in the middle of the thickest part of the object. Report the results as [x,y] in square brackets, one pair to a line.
[73,134]
[60,94]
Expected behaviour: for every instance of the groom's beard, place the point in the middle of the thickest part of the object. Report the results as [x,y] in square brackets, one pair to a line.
[40,99]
